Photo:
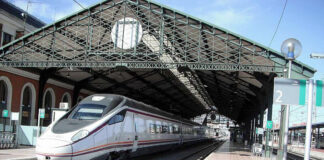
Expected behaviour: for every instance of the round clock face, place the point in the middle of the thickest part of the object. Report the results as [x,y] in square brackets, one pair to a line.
[126,33]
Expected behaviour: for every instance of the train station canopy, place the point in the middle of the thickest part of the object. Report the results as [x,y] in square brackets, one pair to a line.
[154,54]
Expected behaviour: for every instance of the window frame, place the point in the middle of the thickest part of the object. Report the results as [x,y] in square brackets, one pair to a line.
[4,34]
[152,128]
[112,120]
[158,128]
[74,112]
[165,129]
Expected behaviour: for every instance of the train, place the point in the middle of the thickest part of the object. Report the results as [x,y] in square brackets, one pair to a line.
[320,141]
[109,126]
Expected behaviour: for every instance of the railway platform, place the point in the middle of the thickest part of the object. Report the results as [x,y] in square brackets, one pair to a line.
[299,151]
[234,151]
[22,153]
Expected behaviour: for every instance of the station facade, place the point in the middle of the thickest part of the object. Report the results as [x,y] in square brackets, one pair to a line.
[19,89]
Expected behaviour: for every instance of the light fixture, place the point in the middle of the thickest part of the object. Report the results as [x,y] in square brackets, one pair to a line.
[291,48]
[317,55]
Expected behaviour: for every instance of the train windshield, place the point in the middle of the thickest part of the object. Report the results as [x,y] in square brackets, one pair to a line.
[89,112]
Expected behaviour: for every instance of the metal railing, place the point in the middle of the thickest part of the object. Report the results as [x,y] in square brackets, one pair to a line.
[7,140]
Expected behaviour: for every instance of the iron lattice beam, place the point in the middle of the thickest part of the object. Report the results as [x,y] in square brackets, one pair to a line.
[141,65]
[187,41]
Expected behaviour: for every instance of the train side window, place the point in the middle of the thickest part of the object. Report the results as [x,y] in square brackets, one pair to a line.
[165,129]
[158,128]
[170,130]
[175,129]
[119,117]
[152,128]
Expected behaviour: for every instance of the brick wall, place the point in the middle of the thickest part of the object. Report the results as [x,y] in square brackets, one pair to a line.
[18,83]
[19,34]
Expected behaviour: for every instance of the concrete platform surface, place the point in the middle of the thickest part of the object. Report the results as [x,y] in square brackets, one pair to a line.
[25,153]
[314,153]
[233,151]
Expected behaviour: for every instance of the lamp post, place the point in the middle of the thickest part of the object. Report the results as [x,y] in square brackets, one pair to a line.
[291,49]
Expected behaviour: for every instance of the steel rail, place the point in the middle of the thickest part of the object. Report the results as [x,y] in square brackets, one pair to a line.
[203,152]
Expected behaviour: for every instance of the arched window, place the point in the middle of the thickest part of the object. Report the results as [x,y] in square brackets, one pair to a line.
[48,100]
[3,98]
[26,106]
[48,104]
[67,98]
[3,94]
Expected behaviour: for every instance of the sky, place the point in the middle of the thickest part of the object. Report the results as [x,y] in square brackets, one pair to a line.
[253,19]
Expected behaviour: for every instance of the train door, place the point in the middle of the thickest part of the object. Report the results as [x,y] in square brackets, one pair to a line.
[181,133]
[135,144]
[114,129]
[128,134]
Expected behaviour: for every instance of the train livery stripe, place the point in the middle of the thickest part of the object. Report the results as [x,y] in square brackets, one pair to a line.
[149,142]
[109,147]
[101,147]
[157,142]
[117,143]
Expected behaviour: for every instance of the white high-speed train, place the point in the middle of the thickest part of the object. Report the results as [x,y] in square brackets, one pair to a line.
[107,126]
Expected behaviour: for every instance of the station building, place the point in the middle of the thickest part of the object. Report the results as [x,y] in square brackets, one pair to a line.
[19,89]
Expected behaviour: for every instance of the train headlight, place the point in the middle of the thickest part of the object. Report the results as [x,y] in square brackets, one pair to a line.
[81,134]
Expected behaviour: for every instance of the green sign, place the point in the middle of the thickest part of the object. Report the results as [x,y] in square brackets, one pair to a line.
[319,93]
[42,113]
[269,124]
[302,92]
[5,113]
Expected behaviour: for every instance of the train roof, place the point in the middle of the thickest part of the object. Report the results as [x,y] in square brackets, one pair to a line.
[133,104]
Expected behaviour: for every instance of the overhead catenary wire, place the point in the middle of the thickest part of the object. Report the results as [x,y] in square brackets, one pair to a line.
[282,13]
[79,4]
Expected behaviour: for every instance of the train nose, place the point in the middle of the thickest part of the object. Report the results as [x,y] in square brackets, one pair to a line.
[53,149]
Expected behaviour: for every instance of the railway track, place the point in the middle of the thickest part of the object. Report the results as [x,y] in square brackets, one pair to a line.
[202,153]
[193,151]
